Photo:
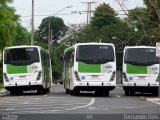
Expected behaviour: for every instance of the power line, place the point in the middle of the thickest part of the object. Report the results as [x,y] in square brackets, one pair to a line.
[89,10]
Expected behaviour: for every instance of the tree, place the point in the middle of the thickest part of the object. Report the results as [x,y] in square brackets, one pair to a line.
[21,37]
[145,29]
[153,9]
[57,26]
[8,21]
[104,15]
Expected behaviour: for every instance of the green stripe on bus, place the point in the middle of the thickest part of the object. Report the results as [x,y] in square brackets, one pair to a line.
[132,69]
[89,68]
[11,69]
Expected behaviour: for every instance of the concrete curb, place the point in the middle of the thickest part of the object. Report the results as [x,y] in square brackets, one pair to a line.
[3,91]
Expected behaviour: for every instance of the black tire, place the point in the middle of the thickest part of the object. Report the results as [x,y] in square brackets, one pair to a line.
[12,93]
[98,93]
[76,92]
[71,92]
[155,93]
[107,93]
[132,93]
[44,91]
[39,91]
[67,91]
[126,92]
[18,92]
[48,90]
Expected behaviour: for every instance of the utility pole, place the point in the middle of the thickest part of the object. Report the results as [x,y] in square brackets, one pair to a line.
[49,37]
[32,30]
[89,10]
[51,41]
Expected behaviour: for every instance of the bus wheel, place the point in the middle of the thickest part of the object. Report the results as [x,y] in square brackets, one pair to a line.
[48,90]
[12,92]
[39,91]
[107,93]
[76,92]
[131,93]
[98,93]
[71,92]
[126,92]
[67,91]
[18,92]
[44,91]
[155,92]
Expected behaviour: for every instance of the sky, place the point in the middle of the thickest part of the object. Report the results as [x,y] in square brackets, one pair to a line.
[45,8]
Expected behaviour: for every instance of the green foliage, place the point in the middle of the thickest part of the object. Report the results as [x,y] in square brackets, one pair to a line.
[21,36]
[152,9]
[104,15]
[1,71]
[56,24]
[8,20]
[57,63]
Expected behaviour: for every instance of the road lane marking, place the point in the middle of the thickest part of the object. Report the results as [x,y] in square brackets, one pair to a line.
[89,104]
[118,96]
[135,107]
[154,100]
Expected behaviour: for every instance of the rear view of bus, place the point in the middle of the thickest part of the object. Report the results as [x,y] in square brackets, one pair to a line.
[96,67]
[22,69]
[140,70]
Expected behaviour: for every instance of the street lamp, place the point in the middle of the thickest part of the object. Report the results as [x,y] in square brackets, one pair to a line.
[49,29]
[57,13]
[32,20]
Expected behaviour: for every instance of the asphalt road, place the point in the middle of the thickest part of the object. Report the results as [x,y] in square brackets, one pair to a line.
[87,106]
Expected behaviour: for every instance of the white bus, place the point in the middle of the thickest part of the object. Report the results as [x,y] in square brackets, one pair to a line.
[90,67]
[26,68]
[140,70]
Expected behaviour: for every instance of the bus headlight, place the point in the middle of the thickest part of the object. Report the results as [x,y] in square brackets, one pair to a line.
[6,77]
[39,75]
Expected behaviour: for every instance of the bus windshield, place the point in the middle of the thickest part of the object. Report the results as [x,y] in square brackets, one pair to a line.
[21,56]
[95,54]
[141,56]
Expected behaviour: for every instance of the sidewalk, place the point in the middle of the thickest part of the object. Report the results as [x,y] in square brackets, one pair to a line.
[3,91]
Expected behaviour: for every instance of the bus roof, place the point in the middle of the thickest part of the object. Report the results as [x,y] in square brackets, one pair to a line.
[139,47]
[94,43]
[90,43]
[20,46]
[23,46]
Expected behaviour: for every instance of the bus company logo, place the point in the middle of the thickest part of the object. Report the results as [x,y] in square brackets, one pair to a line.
[108,66]
[34,67]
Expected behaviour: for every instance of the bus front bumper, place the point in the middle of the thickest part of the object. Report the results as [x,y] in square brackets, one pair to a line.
[140,88]
[92,86]
[29,85]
